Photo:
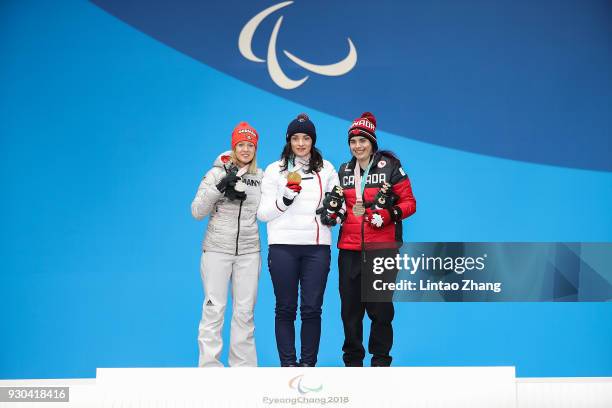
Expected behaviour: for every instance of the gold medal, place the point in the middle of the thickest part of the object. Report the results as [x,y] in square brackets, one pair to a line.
[294,177]
[358,209]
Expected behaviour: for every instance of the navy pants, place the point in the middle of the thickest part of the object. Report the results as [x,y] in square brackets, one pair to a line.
[302,268]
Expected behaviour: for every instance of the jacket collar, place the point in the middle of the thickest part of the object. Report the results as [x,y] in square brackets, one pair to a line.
[353,162]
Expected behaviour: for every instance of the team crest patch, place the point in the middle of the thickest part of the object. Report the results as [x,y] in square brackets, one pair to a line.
[381,164]
[225,158]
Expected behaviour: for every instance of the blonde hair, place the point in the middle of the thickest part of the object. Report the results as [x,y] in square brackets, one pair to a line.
[252,169]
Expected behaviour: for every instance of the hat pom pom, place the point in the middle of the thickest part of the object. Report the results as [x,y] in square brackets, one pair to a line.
[369,116]
[302,116]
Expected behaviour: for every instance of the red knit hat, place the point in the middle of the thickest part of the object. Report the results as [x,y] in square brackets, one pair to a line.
[364,126]
[244,132]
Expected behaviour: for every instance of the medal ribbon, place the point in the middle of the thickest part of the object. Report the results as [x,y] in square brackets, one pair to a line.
[292,167]
[242,170]
[358,187]
[240,185]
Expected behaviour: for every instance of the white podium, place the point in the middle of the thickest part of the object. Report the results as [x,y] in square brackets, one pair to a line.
[405,387]
[414,387]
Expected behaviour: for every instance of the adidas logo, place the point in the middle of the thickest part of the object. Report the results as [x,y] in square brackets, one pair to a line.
[209,303]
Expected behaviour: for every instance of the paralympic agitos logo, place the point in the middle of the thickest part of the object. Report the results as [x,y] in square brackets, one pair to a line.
[274,69]
[297,383]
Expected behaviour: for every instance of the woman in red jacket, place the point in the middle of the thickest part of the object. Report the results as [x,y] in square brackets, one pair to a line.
[378,195]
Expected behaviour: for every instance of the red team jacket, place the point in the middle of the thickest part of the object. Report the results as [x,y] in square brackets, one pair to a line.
[354,234]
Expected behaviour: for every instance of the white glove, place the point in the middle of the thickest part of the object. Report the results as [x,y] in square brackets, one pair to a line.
[288,196]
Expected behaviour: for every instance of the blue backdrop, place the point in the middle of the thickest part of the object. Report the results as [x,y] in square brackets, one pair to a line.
[110,114]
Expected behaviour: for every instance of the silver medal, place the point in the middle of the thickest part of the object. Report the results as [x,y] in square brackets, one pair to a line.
[240,186]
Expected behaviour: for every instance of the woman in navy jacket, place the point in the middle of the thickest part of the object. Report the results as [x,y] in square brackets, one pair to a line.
[293,189]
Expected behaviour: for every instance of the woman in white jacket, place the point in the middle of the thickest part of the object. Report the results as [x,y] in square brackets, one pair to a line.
[293,188]
[230,194]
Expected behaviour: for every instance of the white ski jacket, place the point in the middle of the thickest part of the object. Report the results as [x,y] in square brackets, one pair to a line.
[298,223]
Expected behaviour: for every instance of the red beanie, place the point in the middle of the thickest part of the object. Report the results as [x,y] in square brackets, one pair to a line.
[244,132]
[364,126]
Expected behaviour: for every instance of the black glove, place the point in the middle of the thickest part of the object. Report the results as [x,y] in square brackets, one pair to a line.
[385,198]
[334,200]
[332,204]
[228,181]
[330,220]
[235,195]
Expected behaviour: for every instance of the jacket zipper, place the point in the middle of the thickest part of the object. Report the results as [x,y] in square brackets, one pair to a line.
[238,232]
[363,254]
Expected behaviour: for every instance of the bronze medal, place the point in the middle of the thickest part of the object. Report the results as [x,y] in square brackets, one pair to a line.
[358,209]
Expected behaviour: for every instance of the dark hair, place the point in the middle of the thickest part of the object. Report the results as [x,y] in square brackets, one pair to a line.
[316,159]
[388,153]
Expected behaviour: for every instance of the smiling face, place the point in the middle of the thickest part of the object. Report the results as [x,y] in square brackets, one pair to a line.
[301,144]
[361,147]
[245,151]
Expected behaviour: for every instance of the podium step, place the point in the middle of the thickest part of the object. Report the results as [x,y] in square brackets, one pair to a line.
[429,387]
